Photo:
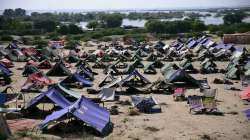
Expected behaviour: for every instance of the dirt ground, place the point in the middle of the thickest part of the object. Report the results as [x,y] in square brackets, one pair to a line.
[174,122]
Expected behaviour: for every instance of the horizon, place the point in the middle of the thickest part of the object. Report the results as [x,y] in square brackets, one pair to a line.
[113,5]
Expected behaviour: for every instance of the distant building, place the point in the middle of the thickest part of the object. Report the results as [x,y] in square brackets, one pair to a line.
[238,38]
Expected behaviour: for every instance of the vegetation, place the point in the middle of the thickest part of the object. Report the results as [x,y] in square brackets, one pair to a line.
[232,18]
[6,38]
[104,25]
[173,27]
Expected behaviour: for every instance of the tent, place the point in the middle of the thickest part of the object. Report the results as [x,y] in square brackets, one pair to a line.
[233,73]
[138,64]
[134,78]
[16,55]
[35,82]
[144,104]
[84,110]
[192,44]
[150,69]
[169,66]
[180,77]
[107,79]
[151,57]
[54,96]
[107,94]
[7,62]
[247,113]
[5,74]
[45,64]
[245,94]
[59,69]
[86,71]
[186,64]
[76,77]
[30,69]
[208,66]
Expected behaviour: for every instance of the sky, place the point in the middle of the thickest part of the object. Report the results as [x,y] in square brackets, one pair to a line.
[119,4]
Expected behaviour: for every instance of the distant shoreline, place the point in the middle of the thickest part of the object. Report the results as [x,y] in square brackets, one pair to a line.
[130,10]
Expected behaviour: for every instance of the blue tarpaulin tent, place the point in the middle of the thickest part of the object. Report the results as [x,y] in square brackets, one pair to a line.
[247,112]
[84,110]
[54,95]
[5,70]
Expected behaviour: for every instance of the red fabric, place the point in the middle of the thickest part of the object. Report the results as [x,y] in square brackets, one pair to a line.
[32,62]
[6,62]
[178,91]
[44,65]
[29,51]
[245,94]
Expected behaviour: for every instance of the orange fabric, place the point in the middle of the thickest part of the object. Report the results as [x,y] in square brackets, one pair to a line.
[245,94]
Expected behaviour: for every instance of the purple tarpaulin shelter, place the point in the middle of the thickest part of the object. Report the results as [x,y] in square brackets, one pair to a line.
[54,95]
[81,79]
[134,73]
[5,70]
[192,44]
[247,112]
[84,110]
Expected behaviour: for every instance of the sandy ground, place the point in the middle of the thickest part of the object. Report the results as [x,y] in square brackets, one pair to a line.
[175,121]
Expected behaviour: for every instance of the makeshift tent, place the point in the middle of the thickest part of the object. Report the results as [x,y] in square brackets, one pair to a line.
[76,77]
[137,64]
[158,64]
[16,55]
[192,44]
[86,71]
[5,74]
[84,110]
[187,65]
[107,94]
[180,77]
[169,66]
[59,69]
[208,66]
[54,95]
[30,69]
[247,113]
[150,69]
[144,104]
[45,64]
[107,79]
[233,73]
[245,94]
[36,82]
[152,57]
[135,78]
[6,62]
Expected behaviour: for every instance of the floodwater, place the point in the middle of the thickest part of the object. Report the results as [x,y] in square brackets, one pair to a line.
[141,23]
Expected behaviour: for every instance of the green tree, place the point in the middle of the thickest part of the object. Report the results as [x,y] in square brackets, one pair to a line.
[92,24]
[232,18]
[112,20]
[47,25]
[155,26]
[63,29]
[74,29]
[19,12]
[9,13]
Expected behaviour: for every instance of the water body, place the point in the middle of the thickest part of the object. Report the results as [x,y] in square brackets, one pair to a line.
[141,23]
